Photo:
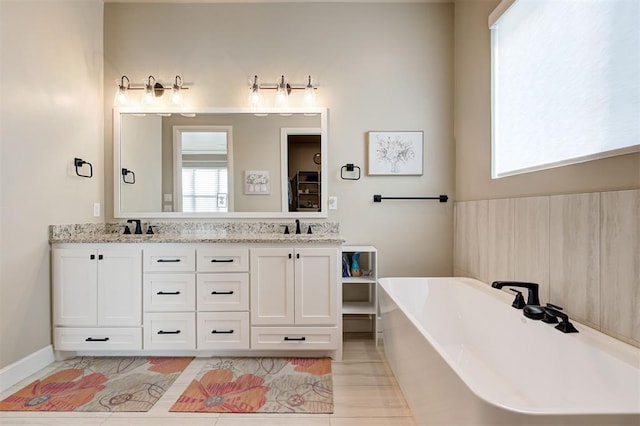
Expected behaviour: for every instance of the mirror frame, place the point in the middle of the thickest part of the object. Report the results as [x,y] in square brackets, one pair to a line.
[324,145]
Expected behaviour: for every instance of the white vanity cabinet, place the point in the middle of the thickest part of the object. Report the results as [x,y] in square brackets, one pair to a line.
[223,298]
[169,297]
[97,298]
[196,297]
[294,301]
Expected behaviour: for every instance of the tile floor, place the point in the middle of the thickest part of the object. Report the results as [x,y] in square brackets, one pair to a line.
[365,394]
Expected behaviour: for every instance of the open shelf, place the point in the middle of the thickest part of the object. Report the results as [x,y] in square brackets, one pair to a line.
[358,308]
[359,301]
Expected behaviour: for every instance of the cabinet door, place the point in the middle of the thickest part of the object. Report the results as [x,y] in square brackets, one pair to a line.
[316,286]
[74,287]
[272,286]
[119,287]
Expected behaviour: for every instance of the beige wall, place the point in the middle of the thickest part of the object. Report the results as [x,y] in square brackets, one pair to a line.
[574,229]
[51,99]
[472,128]
[379,67]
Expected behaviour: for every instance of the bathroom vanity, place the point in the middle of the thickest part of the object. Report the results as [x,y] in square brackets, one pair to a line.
[201,293]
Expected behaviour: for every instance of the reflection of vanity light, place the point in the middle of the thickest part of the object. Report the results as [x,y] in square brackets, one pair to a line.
[286,114]
[260,114]
[139,114]
[164,114]
[188,114]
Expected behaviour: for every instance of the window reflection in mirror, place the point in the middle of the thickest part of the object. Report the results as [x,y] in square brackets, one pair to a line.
[202,166]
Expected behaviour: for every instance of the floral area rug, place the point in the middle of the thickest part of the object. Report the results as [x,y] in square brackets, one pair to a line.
[260,385]
[99,384]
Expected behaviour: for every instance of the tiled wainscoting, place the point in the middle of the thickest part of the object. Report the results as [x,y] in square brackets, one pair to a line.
[583,250]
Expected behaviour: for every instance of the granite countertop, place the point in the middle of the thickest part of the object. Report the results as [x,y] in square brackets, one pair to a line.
[202,238]
[197,232]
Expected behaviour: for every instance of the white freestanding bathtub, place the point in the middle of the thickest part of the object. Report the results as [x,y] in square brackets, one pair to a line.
[463,356]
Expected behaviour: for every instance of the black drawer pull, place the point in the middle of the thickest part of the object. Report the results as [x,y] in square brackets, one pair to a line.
[221,331]
[169,332]
[168,293]
[221,260]
[222,292]
[294,339]
[91,339]
[168,260]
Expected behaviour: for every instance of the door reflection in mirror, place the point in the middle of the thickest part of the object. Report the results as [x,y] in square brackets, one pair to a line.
[144,157]
[201,169]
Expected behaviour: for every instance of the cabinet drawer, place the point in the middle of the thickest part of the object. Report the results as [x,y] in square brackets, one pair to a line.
[170,331]
[223,260]
[223,330]
[223,292]
[303,338]
[169,260]
[100,339]
[169,292]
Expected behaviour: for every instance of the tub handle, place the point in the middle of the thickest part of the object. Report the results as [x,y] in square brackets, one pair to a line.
[518,302]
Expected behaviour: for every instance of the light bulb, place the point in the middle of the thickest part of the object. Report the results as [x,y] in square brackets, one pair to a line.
[176,94]
[122,95]
[255,98]
[149,97]
[309,94]
[282,95]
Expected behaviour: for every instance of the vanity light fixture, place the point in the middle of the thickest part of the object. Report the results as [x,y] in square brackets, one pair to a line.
[283,90]
[152,91]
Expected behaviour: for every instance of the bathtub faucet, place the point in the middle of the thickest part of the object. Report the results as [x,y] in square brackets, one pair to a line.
[532,295]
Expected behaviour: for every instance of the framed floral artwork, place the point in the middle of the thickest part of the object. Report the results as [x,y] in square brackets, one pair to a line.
[257,182]
[395,153]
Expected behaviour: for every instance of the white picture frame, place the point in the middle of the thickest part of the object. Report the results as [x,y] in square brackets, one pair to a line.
[396,153]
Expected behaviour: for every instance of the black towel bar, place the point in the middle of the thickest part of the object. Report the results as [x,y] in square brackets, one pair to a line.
[378,198]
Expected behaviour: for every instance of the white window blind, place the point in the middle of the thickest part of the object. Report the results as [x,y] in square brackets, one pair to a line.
[565,82]
[204,189]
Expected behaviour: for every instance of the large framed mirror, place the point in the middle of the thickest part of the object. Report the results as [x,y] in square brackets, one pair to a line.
[220,163]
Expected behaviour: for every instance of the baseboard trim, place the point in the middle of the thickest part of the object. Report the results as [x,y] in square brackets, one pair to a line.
[23,368]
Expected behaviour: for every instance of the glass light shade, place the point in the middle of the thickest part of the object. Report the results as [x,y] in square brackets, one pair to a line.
[122,97]
[149,97]
[255,98]
[282,97]
[309,96]
[176,96]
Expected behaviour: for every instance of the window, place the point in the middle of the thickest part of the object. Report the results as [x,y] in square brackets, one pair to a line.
[204,189]
[565,82]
